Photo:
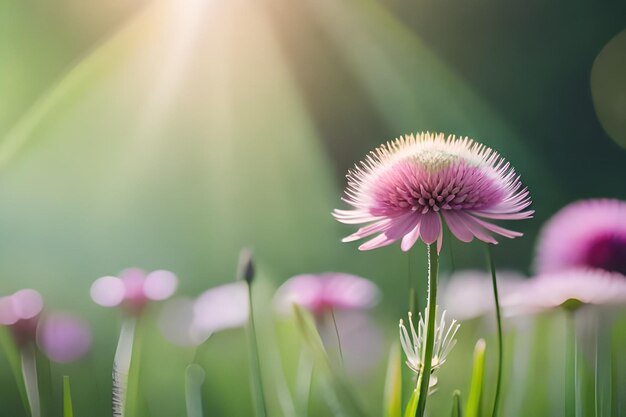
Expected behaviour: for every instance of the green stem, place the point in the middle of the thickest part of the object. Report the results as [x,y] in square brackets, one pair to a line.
[492,267]
[332,314]
[132,395]
[570,378]
[423,380]
[577,380]
[257,382]
[194,377]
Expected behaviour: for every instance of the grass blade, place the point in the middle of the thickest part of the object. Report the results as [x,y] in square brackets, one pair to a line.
[475,399]
[411,407]
[338,392]
[68,410]
[13,357]
[392,401]
[29,372]
[456,404]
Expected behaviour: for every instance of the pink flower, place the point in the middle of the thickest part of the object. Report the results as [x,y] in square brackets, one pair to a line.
[569,289]
[63,337]
[20,311]
[469,294]
[322,292]
[590,233]
[405,189]
[133,289]
[187,322]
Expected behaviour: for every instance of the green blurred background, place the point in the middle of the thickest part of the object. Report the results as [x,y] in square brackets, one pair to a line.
[169,134]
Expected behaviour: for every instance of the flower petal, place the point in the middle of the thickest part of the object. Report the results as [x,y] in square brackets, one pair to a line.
[456,225]
[430,227]
[160,285]
[108,291]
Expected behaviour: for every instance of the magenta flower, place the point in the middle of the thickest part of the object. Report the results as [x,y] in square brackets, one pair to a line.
[133,289]
[405,189]
[20,311]
[322,292]
[63,337]
[569,289]
[590,233]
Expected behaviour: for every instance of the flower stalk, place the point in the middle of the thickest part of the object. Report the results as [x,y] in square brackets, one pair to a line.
[423,380]
[492,268]
[255,360]
[332,315]
[121,366]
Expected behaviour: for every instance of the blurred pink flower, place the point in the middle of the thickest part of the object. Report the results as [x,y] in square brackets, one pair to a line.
[63,337]
[589,233]
[406,188]
[468,294]
[222,307]
[187,322]
[321,292]
[568,289]
[362,341]
[133,289]
[20,311]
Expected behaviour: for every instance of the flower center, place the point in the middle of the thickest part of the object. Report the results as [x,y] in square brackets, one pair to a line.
[609,253]
[434,181]
[434,160]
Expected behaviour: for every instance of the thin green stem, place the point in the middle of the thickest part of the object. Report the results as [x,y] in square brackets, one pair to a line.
[423,381]
[332,314]
[596,375]
[494,281]
[132,397]
[577,380]
[570,378]
[194,378]
[255,359]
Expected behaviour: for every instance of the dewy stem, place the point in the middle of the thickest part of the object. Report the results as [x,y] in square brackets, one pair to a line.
[423,381]
[492,267]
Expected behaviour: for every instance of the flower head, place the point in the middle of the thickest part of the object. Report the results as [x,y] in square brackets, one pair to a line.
[63,337]
[589,233]
[321,292]
[20,312]
[189,322]
[568,289]
[468,294]
[133,289]
[405,189]
[414,344]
